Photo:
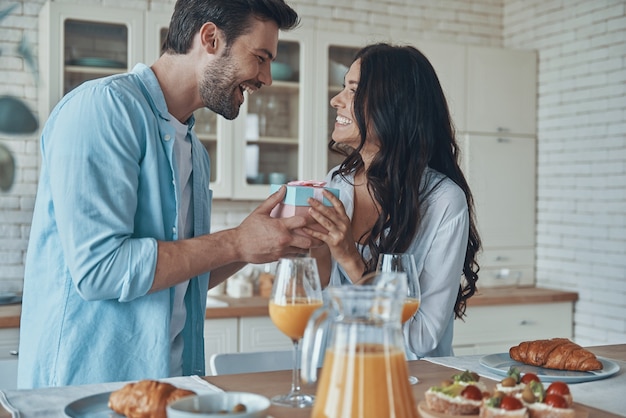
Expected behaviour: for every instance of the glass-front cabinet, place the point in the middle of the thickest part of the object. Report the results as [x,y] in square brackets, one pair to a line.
[282,131]
[274,131]
[80,42]
[93,50]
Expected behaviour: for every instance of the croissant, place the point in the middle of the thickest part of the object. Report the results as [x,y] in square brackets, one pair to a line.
[555,353]
[145,399]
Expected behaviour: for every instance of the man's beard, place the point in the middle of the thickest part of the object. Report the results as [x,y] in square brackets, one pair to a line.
[217,90]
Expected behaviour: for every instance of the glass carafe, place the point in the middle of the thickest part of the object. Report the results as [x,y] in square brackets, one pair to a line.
[364,372]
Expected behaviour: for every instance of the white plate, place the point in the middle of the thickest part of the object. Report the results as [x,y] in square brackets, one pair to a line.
[94,406]
[500,364]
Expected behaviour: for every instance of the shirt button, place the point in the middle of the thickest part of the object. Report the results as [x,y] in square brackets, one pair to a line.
[174,230]
[167,137]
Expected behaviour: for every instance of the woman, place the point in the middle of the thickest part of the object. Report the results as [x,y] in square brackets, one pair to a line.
[402,190]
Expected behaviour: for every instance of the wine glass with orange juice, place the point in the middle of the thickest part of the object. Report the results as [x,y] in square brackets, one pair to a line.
[404,262]
[296,294]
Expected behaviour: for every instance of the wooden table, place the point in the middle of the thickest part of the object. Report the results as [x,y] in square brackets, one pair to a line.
[274,383]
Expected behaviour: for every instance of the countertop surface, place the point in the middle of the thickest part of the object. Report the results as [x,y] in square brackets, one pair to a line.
[257,305]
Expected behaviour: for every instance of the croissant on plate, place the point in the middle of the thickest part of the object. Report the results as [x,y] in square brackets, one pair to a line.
[145,399]
[555,353]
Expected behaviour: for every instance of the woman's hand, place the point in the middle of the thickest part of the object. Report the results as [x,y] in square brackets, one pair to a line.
[339,237]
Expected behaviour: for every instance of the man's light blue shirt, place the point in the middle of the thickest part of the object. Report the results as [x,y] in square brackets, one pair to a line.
[107,193]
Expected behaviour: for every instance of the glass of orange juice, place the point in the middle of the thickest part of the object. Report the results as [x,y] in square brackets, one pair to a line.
[404,262]
[296,293]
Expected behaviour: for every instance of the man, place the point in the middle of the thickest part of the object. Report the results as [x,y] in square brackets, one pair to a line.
[119,253]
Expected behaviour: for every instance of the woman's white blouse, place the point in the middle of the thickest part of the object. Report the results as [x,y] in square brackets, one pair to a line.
[439,248]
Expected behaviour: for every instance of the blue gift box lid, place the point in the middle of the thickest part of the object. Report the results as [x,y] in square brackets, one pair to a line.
[298,195]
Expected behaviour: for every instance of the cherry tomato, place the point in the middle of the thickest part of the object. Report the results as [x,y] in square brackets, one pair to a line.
[556,401]
[558,388]
[510,403]
[472,392]
[529,377]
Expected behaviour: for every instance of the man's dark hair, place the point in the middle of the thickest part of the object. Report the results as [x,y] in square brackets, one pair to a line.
[232,17]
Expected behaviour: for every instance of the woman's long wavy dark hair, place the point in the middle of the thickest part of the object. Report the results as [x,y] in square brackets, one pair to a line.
[399,100]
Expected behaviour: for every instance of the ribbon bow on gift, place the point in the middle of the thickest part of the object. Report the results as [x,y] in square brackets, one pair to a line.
[307,183]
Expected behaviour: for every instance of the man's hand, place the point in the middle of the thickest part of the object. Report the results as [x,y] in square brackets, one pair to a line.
[263,239]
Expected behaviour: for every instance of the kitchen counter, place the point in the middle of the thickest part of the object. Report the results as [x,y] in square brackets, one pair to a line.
[257,306]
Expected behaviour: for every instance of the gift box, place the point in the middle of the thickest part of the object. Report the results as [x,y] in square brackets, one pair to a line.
[298,192]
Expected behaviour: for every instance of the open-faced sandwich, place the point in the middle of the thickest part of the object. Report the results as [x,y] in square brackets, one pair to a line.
[554,402]
[501,405]
[462,395]
[515,382]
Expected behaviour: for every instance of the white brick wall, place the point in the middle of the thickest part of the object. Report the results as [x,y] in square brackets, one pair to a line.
[582,179]
[581,205]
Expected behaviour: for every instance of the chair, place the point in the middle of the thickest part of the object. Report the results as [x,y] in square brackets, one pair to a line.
[251,362]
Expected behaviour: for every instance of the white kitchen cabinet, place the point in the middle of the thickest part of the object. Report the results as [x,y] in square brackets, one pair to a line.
[242,334]
[501,91]
[9,342]
[220,336]
[495,329]
[258,333]
[449,62]
[499,160]
[501,174]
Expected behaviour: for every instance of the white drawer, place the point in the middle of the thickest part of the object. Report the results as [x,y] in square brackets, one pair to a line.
[513,323]
[474,349]
[9,343]
[505,257]
[258,333]
[506,276]
[8,374]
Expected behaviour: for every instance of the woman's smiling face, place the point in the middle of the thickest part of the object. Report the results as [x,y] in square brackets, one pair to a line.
[346,130]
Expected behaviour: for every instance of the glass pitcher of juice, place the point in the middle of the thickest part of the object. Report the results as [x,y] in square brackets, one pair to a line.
[364,372]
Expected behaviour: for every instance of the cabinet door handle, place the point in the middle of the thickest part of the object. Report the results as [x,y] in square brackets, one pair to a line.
[503,140]
[502,129]
[13,352]
[525,322]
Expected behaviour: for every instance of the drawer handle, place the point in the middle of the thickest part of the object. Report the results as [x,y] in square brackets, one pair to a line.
[506,274]
[13,352]
[525,322]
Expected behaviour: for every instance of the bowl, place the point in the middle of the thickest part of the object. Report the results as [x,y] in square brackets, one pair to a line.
[281,71]
[336,73]
[214,405]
